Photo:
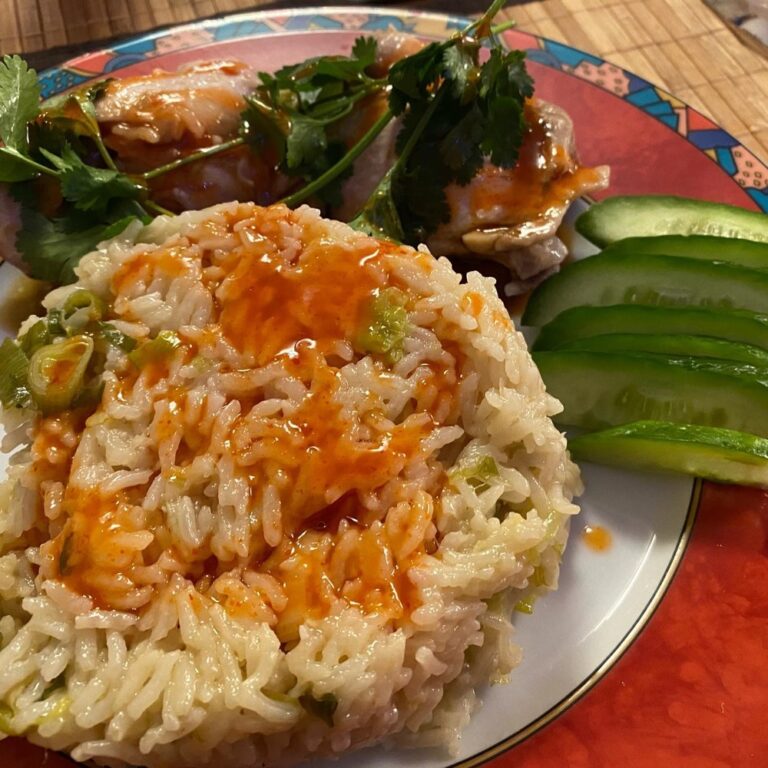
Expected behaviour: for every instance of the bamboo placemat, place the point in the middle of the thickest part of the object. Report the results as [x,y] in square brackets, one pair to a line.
[681,45]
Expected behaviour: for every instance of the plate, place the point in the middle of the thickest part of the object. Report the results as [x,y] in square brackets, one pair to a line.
[653,143]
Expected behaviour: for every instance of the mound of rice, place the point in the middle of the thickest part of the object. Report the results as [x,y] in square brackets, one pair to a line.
[297,524]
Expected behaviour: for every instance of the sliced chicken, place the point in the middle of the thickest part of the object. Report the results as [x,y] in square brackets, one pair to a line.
[511,215]
[200,101]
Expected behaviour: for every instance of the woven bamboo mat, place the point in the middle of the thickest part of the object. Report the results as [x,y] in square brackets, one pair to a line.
[681,45]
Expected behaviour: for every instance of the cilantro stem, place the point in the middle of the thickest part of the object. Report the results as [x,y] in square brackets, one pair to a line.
[497,29]
[352,155]
[104,152]
[366,219]
[372,87]
[150,205]
[483,24]
[193,157]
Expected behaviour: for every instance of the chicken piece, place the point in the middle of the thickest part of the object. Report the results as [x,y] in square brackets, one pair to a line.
[202,101]
[152,120]
[511,215]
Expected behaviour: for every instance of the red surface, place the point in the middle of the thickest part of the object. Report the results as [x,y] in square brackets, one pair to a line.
[692,692]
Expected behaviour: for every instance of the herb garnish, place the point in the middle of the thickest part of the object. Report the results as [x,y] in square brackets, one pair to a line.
[456,114]
[299,109]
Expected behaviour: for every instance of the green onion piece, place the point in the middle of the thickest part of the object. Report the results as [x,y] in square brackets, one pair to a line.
[55,321]
[37,336]
[386,324]
[322,708]
[81,308]
[90,394]
[59,709]
[280,698]
[13,375]
[116,338]
[158,348]
[524,606]
[57,371]
[82,299]
[478,473]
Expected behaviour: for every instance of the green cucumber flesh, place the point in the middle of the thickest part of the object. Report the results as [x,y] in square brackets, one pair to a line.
[584,322]
[600,390]
[650,280]
[723,455]
[672,344]
[745,253]
[648,215]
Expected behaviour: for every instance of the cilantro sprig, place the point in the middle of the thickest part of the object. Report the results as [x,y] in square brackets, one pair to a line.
[457,112]
[38,158]
[299,110]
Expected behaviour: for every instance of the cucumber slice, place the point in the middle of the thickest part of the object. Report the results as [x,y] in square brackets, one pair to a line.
[745,253]
[583,322]
[723,455]
[647,279]
[648,215]
[599,390]
[667,344]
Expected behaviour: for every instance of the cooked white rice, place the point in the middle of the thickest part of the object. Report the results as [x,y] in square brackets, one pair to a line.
[205,612]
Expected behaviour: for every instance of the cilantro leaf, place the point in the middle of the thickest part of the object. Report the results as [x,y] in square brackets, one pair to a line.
[411,77]
[296,110]
[462,69]
[462,148]
[380,217]
[364,50]
[305,142]
[75,111]
[458,114]
[87,187]
[19,101]
[14,166]
[504,86]
[52,249]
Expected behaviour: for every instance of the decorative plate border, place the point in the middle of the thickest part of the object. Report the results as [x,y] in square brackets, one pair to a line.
[737,161]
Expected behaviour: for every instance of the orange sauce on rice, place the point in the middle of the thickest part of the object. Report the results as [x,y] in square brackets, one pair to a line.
[326,545]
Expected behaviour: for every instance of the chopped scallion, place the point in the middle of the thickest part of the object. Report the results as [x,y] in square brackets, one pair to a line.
[386,324]
[13,375]
[57,372]
[116,338]
[156,349]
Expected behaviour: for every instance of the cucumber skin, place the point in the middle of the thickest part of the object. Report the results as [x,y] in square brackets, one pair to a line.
[583,322]
[744,253]
[668,344]
[648,215]
[722,455]
[600,390]
[650,280]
